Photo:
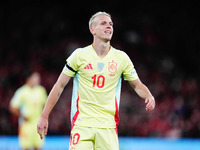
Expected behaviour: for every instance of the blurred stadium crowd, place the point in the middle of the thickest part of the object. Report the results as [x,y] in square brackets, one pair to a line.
[162,40]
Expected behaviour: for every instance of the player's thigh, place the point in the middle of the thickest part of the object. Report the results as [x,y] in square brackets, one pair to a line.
[82,138]
[82,145]
[106,139]
[25,136]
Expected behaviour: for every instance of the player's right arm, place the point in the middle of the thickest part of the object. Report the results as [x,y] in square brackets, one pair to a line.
[15,104]
[16,112]
[51,101]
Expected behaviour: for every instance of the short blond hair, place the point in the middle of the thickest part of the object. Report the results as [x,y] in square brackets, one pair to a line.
[95,15]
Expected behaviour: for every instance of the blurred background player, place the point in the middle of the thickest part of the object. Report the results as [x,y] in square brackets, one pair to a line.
[27,104]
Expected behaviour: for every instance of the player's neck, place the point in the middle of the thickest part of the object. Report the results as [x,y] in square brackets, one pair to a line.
[30,84]
[101,47]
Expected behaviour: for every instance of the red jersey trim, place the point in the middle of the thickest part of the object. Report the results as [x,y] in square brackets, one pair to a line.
[76,114]
[116,115]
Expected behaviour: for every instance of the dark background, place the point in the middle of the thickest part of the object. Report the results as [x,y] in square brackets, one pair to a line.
[161,38]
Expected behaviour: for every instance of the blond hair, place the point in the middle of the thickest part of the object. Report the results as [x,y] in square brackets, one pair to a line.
[95,15]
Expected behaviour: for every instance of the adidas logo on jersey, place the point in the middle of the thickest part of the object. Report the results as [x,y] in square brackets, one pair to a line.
[89,66]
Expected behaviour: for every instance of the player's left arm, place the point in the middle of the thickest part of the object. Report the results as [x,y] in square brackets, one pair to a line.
[144,93]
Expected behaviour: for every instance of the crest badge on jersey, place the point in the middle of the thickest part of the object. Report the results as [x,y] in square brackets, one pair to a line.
[112,66]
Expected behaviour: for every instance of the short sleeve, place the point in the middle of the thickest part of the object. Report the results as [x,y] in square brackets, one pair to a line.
[129,71]
[71,66]
[16,101]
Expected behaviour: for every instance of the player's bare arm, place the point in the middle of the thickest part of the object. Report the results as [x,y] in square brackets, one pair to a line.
[144,93]
[17,113]
[51,101]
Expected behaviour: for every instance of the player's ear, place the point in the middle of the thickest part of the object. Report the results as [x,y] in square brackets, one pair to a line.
[92,31]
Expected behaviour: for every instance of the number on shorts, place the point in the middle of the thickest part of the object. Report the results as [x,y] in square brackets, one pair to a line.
[75,138]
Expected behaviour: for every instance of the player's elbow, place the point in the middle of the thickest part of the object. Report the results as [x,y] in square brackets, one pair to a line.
[13,110]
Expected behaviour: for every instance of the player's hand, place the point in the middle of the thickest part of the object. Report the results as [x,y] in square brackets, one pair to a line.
[42,126]
[25,118]
[150,103]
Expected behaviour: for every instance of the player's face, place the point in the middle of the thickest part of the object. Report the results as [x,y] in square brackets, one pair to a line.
[102,27]
[35,79]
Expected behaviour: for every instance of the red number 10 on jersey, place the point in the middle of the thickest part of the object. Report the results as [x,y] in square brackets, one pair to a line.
[97,79]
